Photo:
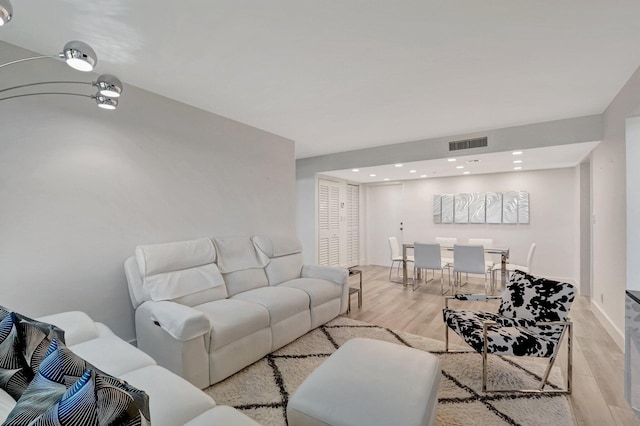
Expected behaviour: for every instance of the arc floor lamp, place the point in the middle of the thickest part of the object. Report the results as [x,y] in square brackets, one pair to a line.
[77,55]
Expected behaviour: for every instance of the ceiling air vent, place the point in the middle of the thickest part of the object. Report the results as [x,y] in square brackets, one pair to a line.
[468,144]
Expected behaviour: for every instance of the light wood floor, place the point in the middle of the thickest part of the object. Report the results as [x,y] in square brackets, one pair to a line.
[598,363]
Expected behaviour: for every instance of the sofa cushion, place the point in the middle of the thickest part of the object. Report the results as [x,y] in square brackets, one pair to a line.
[14,372]
[281,302]
[233,319]
[78,326]
[277,246]
[113,355]
[319,291]
[240,264]
[172,400]
[59,370]
[172,271]
[283,256]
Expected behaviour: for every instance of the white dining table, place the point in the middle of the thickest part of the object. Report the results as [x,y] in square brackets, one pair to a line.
[502,251]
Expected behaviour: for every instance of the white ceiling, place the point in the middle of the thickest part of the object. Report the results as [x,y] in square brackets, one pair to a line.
[529,159]
[344,75]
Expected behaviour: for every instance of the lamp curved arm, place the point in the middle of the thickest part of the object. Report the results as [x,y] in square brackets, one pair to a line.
[17,61]
[47,93]
[102,101]
[45,82]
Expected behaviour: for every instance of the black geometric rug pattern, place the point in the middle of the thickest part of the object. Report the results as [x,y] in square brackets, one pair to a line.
[262,390]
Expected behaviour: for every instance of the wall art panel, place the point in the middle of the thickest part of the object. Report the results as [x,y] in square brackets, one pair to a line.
[510,207]
[437,209]
[447,208]
[461,208]
[477,211]
[523,207]
[494,207]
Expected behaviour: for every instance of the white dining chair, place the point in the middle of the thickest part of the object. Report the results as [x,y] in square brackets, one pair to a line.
[448,242]
[396,255]
[469,259]
[490,260]
[510,267]
[428,256]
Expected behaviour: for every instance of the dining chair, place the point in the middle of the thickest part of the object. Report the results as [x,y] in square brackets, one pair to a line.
[489,260]
[511,267]
[428,256]
[396,255]
[447,242]
[468,259]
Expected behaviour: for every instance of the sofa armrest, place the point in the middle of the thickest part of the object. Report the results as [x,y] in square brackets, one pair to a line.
[339,276]
[179,321]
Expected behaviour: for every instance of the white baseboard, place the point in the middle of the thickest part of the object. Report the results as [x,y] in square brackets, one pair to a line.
[612,330]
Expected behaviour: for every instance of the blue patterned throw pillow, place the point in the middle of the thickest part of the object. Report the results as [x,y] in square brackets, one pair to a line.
[14,372]
[77,407]
[117,403]
[34,337]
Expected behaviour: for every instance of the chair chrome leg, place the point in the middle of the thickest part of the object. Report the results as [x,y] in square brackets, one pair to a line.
[446,338]
[570,358]
[545,376]
[484,359]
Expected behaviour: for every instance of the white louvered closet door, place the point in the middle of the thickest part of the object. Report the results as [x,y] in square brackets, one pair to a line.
[353,225]
[328,223]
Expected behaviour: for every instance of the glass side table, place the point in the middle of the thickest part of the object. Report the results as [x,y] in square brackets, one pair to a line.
[352,290]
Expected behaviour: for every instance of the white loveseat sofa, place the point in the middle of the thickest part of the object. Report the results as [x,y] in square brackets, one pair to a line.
[172,400]
[207,308]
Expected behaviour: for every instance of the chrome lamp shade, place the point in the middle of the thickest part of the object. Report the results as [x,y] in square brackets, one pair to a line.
[6,12]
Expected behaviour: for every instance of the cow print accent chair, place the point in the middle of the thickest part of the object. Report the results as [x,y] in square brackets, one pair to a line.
[532,320]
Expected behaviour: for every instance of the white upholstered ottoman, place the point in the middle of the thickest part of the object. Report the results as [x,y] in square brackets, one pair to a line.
[369,382]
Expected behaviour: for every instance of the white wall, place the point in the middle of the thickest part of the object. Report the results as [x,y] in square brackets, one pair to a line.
[81,187]
[553,215]
[633,202]
[609,170]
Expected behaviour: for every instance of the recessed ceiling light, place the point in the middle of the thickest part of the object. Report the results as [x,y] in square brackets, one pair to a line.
[465,173]
[423,176]
[398,165]
[355,170]
[451,159]
[517,161]
[517,153]
[459,167]
[385,179]
[372,175]
[517,168]
[412,171]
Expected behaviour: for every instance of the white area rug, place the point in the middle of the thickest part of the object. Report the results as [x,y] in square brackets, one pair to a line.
[262,390]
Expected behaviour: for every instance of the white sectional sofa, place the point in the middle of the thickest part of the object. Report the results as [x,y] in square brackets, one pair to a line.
[207,308]
[172,400]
